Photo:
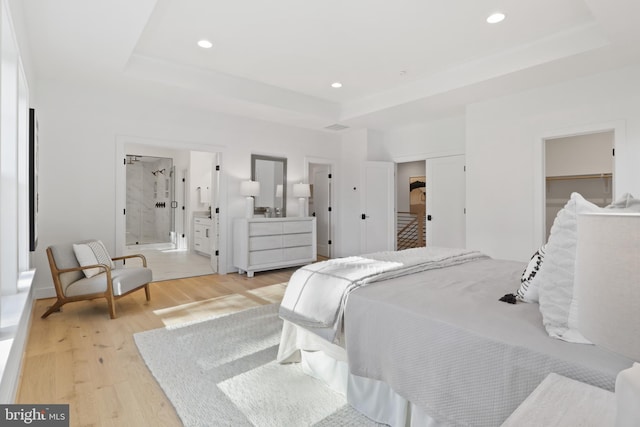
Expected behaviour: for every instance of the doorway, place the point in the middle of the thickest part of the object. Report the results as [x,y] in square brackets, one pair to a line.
[430,197]
[150,188]
[175,258]
[580,163]
[411,201]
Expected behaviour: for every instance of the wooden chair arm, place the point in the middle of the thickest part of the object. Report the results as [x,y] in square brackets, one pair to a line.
[142,257]
[86,267]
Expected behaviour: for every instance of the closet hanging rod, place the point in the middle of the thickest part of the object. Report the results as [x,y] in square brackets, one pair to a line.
[589,176]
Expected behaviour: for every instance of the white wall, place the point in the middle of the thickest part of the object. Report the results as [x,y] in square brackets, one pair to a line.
[504,154]
[421,141]
[201,168]
[79,126]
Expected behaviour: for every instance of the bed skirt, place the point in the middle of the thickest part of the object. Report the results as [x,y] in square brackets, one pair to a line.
[328,363]
[372,398]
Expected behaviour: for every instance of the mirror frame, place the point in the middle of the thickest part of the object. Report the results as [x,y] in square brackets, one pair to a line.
[261,209]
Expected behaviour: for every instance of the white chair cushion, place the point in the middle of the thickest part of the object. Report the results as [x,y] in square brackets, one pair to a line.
[127,279]
[123,279]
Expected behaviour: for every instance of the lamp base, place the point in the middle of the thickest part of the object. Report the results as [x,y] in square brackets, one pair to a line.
[302,207]
[249,207]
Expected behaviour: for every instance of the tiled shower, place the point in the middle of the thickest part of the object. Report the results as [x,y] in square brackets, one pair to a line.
[149,216]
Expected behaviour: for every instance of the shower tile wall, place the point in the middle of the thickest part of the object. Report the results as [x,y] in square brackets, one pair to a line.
[149,234]
[146,222]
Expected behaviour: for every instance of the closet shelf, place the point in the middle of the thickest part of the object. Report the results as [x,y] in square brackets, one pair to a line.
[588,176]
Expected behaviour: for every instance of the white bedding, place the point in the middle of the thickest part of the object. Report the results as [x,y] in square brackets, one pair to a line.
[443,341]
[317,294]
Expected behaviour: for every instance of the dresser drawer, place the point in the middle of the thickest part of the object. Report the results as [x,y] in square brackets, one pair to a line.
[300,252]
[300,239]
[265,257]
[264,228]
[298,227]
[265,242]
[202,221]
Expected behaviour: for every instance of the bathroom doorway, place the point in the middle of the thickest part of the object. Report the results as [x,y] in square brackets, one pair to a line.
[150,206]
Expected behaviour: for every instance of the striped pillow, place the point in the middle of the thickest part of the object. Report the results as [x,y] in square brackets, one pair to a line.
[528,291]
[92,253]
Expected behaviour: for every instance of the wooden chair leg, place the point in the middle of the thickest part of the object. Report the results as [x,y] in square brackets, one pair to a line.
[112,306]
[147,292]
[55,307]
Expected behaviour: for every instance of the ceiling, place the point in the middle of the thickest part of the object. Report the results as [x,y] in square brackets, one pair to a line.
[400,62]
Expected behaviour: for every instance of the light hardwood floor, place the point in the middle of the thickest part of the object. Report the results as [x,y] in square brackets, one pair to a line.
[81,357]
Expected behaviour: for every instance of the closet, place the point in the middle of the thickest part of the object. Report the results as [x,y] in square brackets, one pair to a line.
[581,163]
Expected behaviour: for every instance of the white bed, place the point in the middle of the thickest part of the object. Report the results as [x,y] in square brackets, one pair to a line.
[437,347]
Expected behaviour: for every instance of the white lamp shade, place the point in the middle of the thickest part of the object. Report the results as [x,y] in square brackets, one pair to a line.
[250,188]
[607,281]
[301,190]
[279,190]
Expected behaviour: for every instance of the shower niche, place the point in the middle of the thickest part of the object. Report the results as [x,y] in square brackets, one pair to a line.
[150,210]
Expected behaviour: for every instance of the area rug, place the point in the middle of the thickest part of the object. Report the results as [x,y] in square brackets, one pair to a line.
[222,372]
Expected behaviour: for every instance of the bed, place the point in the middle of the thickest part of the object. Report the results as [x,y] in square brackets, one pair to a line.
[437,347]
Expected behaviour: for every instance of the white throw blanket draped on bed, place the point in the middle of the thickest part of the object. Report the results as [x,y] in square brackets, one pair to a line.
[317,293]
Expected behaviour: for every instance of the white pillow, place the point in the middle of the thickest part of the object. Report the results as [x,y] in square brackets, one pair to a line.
[556,273]
[92,253]
[528,291]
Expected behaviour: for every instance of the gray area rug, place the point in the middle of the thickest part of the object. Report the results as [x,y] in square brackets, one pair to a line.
[222,372]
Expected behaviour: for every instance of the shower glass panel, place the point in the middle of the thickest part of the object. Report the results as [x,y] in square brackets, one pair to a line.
[149,214]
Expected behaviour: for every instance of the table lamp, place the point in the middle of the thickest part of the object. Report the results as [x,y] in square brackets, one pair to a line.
[249,189]
[302,192]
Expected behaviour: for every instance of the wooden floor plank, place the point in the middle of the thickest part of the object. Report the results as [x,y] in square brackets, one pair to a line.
[81,357]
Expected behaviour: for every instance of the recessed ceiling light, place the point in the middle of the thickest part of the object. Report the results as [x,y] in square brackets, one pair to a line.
[495,18]
[336,85]
[205,44]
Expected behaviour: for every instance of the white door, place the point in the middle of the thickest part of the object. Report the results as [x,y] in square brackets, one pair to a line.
[377,232]
[446,202]
[321,203]
[215,217]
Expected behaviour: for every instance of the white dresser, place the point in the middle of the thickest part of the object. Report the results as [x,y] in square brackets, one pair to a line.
[268,243]
[202,235]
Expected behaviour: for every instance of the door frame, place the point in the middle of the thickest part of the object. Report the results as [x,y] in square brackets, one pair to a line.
[121,188]
[333,200]
[620,145]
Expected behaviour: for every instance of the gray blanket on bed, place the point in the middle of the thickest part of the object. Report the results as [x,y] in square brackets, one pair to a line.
[442,340]
[317,293]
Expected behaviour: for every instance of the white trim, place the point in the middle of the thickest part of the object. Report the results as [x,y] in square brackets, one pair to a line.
[619,128]
[425,156]
[120,193]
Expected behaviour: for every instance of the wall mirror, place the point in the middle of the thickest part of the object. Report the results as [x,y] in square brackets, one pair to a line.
[271,173]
